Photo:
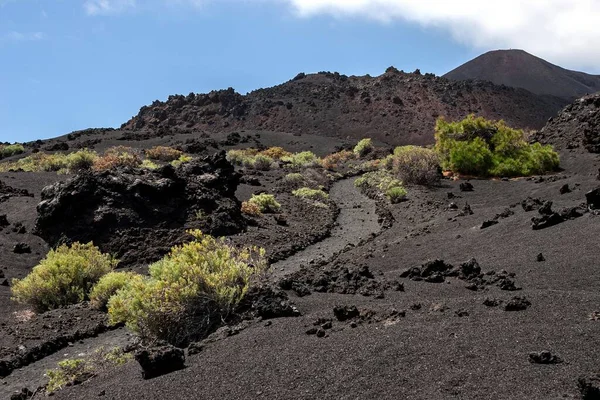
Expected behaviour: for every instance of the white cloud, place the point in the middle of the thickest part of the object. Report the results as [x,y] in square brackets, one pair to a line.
[111,7]
[564,31]
[15,36]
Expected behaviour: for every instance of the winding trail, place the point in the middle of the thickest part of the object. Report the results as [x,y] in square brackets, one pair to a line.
[357,220]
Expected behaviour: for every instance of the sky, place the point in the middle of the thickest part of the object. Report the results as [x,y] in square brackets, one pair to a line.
[74,64]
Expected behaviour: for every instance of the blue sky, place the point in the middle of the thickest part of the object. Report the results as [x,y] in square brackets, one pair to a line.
[74,64]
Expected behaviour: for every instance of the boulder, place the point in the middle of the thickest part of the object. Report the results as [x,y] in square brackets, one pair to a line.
[157,361]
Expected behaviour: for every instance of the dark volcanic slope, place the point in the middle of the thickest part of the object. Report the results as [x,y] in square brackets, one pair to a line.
[577,126]
[396,107]
[517,68]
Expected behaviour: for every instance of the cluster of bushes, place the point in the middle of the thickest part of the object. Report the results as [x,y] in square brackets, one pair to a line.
[187,293]
[304,159]
[363,147]
[311,194]
[8,150]
[334,160]
[476,146]
[260,203]
[255,159]
[81,160]
[414,165]
[383,183]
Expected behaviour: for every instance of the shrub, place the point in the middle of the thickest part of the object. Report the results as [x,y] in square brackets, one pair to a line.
[332,161]
[163,153]
[240,157]
[252,209]
[189,290]
[149,164]
[181,160]
[308,193]
[416,165]
[276,153]
[305,159]
[11,150]
[265,202]
[364,147]
[68,373]
[64,277]
[481,147]
[382,183]
[108,285]
[261,162]
[118,156]
[82,160]
[294,177]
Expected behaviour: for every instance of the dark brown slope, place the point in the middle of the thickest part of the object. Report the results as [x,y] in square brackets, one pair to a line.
[396,107]
[575,127]
[517,68]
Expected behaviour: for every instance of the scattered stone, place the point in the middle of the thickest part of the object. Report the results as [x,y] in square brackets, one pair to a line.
[23,394]
[488,223]
[416,306]
[281,220]
[544,357]
[466,210]
[452,206]
[22,248]
[321,333]
[344,313]
[593,199]
[267,303]
[530,204]
[540,258]
[195,348]
[19,228]
[3,221]
[461,313]
[159,361]
[450,195]
[589,387]
[517,304]
[595,316]
[466,187]
[489,302]
[4,282]
[564,189]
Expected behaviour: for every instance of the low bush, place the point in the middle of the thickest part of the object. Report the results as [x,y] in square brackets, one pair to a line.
[333,161]
[265,202]
[11,150]
[181,160]
[108,285]
[275,153]
[82,160]
[188,291]
[119,156]
[149,164]
[305,159]
[383,183]
[69,372]
[58,162]
[415,165]
[251,209]
[241,156]
[163,153]
[65,276]
[477,146]
[308,193]
[294,177]
[260,162]
[364,147]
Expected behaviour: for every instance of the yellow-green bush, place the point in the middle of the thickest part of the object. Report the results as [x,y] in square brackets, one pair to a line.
[265,202]
[65,276]
[480,147]
[9,150]
[414,165]
[118,156]
[334,160]
[241,156]
[108,285]
[66,163]
[82,160]
[251,209]
[68,373]
[305,159]
[260,162]
[149,164]
[189,290]
[184,158]
[383,183]
[294,178]
[308,193]
[363,147]
[163,153]
[276,153]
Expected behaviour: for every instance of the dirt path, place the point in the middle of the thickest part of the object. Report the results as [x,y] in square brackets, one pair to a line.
[356,221]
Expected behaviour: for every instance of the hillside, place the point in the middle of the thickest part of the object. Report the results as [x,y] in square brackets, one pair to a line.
[396,107]
[519,69]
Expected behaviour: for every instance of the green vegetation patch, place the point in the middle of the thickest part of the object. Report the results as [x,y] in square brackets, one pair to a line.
[265,202]
[383,183]
[312,194]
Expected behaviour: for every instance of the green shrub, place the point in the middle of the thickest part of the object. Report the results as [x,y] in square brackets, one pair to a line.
[294,177]
[57,162]
[64,277]
[11,150]
[276,153]
[260,162]
[480,147]
[364,147]
[383,183]
[308,193]
[415,165]
[181,160]
[108,285]
[188,291]
[305,159]
[241,156]
[332,161]
[82,160]
[265,202]
[251,209]
[118,156]
[68,373]
[149,164]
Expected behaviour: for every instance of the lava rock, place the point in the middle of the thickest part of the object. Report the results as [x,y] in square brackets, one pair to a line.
[3,221]
[22,248]
[589,387]
[23,394]
[530,204]
[564,189]
[517,304]
[159,361]
[593,199]
[544,357]
[540,258]
[466,187]
[344,313]
[195,348]
[488,223]
[488,302]
[267,303]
